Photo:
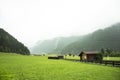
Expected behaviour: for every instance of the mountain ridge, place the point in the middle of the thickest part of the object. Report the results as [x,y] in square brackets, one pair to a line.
[9,44]
[102,38]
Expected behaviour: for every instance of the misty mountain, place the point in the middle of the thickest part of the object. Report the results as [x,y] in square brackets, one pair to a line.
[108,38]
[55,45]
[9,44]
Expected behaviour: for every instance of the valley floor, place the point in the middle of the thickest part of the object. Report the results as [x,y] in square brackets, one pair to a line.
[18,67]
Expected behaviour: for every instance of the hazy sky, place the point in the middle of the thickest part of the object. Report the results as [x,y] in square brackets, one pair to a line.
[33,20]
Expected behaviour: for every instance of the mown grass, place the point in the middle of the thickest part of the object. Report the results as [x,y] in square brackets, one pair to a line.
[112,58]
[18,67]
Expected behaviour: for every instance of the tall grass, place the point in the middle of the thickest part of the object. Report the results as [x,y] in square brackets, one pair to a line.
[18,67]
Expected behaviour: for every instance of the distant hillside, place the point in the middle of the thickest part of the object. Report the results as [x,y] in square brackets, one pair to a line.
[9,44]
[55,45]
[108,38]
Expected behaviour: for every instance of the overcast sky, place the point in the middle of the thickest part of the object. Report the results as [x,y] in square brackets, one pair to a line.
[32,20]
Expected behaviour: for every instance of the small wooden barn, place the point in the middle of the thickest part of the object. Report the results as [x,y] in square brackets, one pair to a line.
[90,56]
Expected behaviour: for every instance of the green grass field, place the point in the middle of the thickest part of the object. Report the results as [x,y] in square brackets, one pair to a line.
[18,67]
[105,58]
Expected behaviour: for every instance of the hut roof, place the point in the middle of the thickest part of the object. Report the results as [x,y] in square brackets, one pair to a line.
[88,52]
[91,52]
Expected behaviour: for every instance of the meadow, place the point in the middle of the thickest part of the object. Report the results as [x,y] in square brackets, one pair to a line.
[19,67]
[104,58]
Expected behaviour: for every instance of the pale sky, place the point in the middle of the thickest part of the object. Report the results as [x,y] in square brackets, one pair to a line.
[32,20]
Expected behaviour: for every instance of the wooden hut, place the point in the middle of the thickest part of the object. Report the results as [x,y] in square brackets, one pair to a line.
[90,56]
[56,57]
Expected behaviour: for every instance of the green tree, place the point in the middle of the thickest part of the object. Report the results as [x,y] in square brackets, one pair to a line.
[102,51]
[108,53]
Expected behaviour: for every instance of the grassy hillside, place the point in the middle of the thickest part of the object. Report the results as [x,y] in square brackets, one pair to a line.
[18,67]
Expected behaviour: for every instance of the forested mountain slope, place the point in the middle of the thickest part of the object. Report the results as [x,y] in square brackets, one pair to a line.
[9,44]
[108,38]
[55,45]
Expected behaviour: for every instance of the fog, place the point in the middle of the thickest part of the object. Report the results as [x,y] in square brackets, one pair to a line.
[32,20]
